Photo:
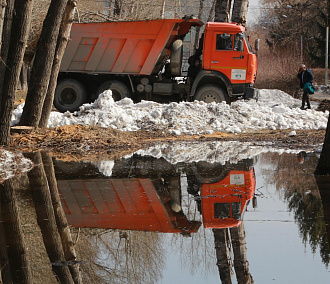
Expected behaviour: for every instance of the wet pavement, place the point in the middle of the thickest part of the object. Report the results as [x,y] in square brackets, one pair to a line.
[189,213]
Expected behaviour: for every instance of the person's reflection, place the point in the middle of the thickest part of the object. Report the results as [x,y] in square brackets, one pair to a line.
[303,157]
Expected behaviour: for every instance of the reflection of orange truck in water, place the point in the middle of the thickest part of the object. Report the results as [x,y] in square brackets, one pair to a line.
[126,204]
[144,59]
[145,194]
[224,202]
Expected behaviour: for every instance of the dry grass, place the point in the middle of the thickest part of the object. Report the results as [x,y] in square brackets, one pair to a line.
[279,71]
[319,76]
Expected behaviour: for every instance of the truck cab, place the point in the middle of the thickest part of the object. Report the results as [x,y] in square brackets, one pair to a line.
[228,66]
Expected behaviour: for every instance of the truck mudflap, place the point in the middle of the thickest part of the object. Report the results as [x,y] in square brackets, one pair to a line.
[252,93]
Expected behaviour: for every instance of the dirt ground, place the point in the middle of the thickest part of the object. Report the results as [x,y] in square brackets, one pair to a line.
[88,142]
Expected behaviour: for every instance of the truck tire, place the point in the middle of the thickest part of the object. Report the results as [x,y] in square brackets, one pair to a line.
[211,93]
[206,173]
[243,165]
[119,89]
[69,95]
[176,58]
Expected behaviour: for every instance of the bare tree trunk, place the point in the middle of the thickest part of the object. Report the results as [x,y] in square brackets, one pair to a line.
[62,222]
[62,40]
[16,248]
[240,10]
[21,20]
[241,263]
[211,16]
[200,13]
[221,240]
[46,218]
[3,5]
[24,76]
[323,166]
[5,41]
[42,66]
[222,10]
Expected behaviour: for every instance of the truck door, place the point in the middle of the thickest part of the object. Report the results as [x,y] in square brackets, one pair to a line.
[229,56]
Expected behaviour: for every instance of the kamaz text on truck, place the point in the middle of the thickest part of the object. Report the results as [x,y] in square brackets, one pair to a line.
[143,60]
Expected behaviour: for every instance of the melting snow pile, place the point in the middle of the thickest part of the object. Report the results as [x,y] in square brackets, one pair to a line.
[274,110]
[12,164]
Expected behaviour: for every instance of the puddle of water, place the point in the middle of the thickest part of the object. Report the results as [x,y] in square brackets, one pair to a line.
[197,213]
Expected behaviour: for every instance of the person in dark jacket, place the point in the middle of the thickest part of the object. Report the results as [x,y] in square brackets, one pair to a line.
[305,76]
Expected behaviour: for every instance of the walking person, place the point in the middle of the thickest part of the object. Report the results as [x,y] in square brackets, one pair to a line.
[305,76]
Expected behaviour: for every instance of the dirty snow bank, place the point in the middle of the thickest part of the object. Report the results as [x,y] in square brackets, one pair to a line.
[12,164]
[274,110]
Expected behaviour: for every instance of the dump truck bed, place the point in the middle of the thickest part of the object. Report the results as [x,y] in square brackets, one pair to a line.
[135,48]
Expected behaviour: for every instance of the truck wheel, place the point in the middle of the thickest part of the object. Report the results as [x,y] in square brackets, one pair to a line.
[211,93]
[209,173]
[69,95]
[176,58]
[119,89]
[243,165]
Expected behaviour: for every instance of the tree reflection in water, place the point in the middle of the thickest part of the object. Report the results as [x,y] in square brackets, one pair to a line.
[30,242]
[295,180]
[123,256]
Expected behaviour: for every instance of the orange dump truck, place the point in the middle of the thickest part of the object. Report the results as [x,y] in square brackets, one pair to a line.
[143,60]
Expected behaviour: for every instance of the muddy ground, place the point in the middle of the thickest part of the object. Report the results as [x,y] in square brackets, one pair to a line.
[88,142]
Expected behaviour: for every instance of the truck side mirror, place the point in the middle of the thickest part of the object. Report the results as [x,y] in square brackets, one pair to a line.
[240,45]
[257,44]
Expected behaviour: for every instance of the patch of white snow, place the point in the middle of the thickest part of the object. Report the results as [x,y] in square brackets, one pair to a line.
[13,163]
[274,110]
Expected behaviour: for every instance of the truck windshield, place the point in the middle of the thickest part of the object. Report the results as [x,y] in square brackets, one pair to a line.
[247,42]
[222,210]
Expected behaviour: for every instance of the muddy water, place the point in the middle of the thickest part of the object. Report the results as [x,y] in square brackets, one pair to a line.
[168,215]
